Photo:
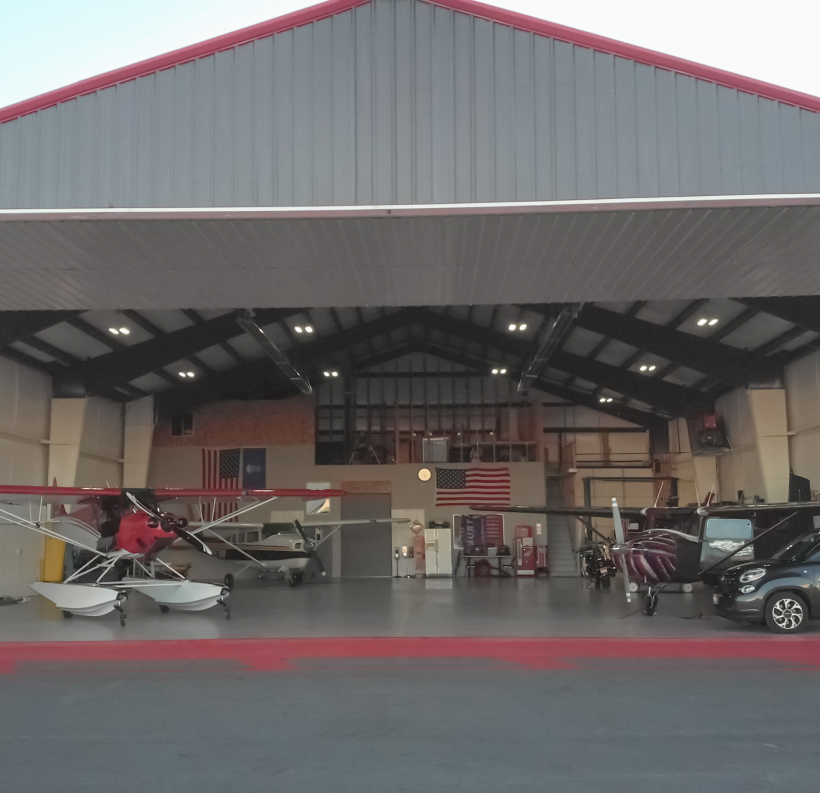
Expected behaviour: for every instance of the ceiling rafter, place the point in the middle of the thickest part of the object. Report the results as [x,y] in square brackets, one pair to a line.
[725,363]
[224,345]
[122,366]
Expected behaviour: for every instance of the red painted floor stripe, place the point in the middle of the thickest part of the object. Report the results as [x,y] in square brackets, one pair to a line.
[277,654]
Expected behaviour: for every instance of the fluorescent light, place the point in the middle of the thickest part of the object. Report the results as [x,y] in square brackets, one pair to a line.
[190,374]
[334,374]
[298,329]
[326,374]
[644,368]
[702,321]
[713,322]
[610,399]
[502,371]
[114,331]
[652,368]
[124,331]
[602,399]
[308,329]
[512,327]
[522,327]
[183,374]
[495,371]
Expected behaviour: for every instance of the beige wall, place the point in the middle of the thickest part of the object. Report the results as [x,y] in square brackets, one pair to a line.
[25,398]
[739,469]
[101,448]
[803,410]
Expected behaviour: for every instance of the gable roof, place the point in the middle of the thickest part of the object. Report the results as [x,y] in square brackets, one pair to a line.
[472,7]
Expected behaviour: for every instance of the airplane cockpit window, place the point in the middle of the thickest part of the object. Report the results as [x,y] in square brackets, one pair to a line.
[728,529]
[270,529]
[252,536]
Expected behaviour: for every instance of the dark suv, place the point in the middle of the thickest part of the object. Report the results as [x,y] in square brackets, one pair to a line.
[781,592]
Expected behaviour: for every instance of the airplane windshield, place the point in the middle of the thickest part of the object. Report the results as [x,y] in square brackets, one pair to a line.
[270,529]
[799,548]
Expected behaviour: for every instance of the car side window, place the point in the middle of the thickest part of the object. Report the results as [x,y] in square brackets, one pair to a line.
[814,555]
[728,529]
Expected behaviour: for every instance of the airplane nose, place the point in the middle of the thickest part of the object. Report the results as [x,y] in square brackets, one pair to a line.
[182,523]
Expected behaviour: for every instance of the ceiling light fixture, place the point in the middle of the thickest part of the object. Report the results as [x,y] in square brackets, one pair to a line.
[334,374]
[114,331]
[308,328]
[609,399]
[713,322]
[190,374]
[602,399]
[298,329]
[702,321]
[502,371]
[326,374]
[652,368]
[522,327]
[495,371]
[183,374]
[124,331]
[644,368]
[512,327]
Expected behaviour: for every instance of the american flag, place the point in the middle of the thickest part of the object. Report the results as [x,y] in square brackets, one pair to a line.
[457,486]
[220,471]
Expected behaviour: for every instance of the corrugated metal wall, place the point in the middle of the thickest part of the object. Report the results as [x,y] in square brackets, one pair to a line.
[399,101]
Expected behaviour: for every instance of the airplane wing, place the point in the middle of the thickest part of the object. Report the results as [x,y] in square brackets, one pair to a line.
[579,512]
[313,525]
[25,495]
[196,495]
[742,510]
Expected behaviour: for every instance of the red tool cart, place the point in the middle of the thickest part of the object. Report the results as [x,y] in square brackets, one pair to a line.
[525,556]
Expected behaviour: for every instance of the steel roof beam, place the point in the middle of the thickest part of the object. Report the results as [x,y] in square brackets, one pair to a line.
[19,325]
[262,374]
[730,365]
[670,398]
[121,366]
[801,311]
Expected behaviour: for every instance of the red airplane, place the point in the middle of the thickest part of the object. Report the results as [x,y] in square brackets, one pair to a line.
[125,530]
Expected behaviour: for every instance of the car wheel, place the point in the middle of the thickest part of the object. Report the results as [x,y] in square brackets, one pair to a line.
[786,613]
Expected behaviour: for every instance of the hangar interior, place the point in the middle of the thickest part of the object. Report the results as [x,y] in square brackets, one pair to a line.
[485,240]
[397,390]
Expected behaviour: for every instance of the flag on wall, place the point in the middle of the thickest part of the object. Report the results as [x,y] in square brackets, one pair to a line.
[457,486]
[220,471]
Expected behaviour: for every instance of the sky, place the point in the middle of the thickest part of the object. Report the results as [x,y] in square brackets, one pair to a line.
[46,44]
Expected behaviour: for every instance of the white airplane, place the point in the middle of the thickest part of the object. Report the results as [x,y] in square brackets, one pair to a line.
[123,531]
[275,548]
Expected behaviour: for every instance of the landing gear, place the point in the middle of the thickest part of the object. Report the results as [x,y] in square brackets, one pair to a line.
[228,580]
[225,605]
[163,608]
[118,607]
[650,601]
[294,578]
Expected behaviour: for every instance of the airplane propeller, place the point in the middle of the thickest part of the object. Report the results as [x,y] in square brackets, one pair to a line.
[171,523]
[310,547]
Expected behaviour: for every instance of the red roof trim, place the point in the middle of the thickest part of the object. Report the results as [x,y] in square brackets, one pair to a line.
[491,13]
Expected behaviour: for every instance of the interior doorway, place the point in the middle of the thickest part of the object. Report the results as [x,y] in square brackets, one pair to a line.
[366,549]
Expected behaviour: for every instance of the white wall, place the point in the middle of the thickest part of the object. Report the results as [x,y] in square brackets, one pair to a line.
[25,398]
[101,448]
[803,410]
[739,468]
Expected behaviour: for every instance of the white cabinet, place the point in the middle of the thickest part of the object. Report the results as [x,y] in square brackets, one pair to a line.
[438,553]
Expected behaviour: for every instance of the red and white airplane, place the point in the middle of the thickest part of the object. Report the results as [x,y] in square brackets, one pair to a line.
[125,530]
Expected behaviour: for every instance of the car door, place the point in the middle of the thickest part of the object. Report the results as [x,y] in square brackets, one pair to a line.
[812,568]
[721,536]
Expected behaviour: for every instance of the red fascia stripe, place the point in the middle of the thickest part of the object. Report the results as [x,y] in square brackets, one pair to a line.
[472,7]
[532,653]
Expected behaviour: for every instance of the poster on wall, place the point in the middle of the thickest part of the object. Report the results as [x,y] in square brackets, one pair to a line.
[477,531]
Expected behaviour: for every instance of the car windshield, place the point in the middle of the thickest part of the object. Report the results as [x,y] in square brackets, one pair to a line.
[799,548]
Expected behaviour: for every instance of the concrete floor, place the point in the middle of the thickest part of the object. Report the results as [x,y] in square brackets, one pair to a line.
[425,730]
[722,707]
[391,607]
